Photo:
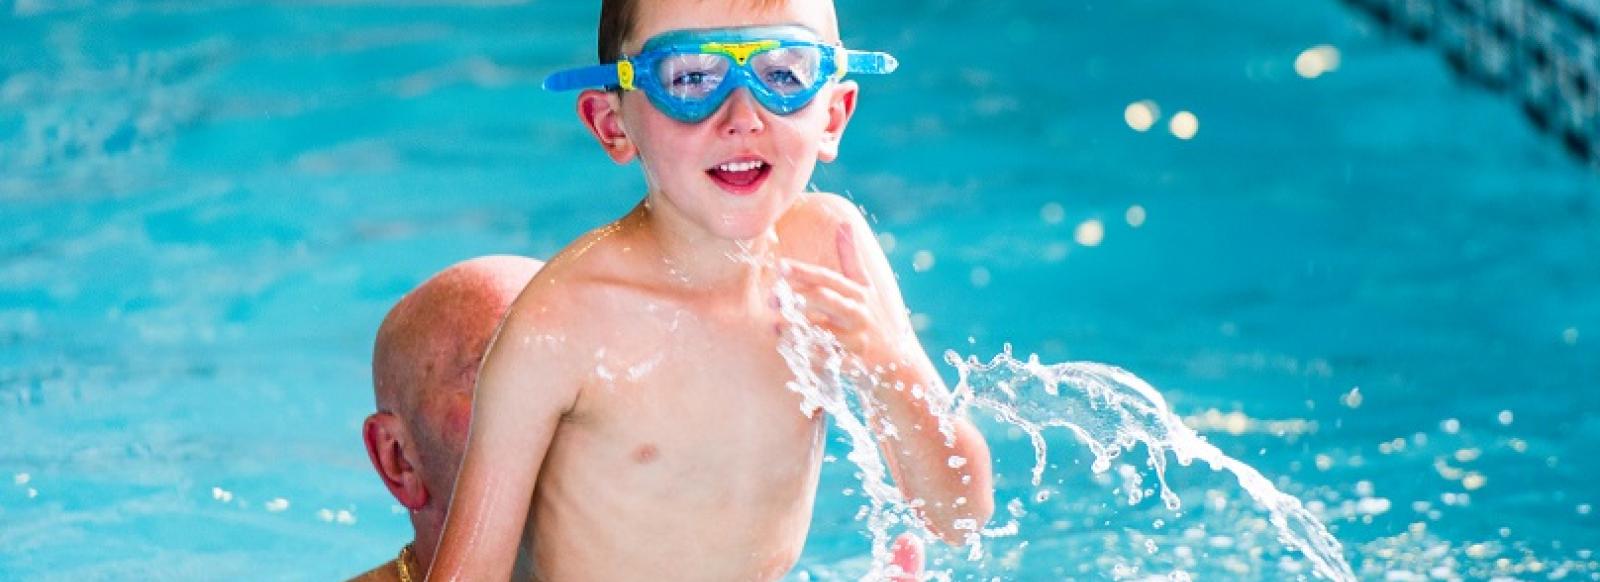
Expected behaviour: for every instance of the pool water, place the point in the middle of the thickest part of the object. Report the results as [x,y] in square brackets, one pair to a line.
[1378,286]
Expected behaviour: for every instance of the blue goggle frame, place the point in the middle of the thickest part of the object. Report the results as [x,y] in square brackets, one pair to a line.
[638,72]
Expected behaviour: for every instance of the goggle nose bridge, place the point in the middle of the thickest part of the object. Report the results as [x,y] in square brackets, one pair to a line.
[739,51]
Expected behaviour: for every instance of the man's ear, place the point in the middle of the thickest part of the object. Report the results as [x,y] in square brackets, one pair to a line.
[393,454]
[841,105]
[601,112]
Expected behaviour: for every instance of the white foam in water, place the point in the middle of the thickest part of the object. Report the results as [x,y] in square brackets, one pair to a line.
[1109,410]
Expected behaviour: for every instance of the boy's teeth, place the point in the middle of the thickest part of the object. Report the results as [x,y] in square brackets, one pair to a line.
[739,166]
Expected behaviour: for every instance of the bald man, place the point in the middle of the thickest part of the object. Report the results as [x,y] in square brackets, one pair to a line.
[424,365]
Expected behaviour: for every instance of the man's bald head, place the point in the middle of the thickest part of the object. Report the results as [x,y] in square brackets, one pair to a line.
[424,365]
[436,335]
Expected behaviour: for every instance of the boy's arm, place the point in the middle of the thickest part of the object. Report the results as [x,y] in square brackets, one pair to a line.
[520,397]
[861,304]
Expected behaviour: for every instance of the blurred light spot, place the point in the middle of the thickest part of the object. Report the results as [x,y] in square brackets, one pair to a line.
[277,505]
[887,241]
[1373,506]
[1090,233]
[1450,426]
[1445,470]
[1584,509]
[921,321]
[21,478]
[1478,551]
[1324,462]
[32,493]
[1570,336]
[1315,61]
[1135,216]
[1141,115]
[1352,399]
[1505,417]
[1505,532]
[1052,213]
[1468,455]
[1474,481]
[1518,445]
[1184,125]
[980,277]
[325,514]
[221,494]
[397,509]
[922,261]
[1364,488]
[1236,423]
[344,517]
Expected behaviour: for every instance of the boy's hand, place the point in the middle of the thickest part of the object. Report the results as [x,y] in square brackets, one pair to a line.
[846,304]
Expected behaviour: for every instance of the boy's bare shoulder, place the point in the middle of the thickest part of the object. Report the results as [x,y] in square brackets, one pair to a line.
[555,298]
[808,230]
[577,290]
[822,209]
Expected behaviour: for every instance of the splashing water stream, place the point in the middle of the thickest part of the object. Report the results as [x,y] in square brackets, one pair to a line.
[1108,409]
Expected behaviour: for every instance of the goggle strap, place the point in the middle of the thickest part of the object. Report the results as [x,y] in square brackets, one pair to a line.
[869,63]
[590,76]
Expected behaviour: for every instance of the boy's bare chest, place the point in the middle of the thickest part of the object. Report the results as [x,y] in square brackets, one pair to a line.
[697,377]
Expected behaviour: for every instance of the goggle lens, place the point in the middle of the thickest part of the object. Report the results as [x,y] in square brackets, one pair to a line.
[692,76]
[785,71]
[788,70]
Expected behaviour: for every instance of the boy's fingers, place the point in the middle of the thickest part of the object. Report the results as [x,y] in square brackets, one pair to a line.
[819,276]
[849,261]
[838,311]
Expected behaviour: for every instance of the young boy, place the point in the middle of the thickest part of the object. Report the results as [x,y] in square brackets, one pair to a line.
[632,420]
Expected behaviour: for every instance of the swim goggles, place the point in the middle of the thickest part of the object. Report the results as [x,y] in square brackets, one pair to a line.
[688,74]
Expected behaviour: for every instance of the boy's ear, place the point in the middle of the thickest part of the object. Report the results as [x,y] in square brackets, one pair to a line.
[841,105]
[601,112]
[393,454]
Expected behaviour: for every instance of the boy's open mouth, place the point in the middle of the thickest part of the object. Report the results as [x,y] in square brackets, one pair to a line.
[740,176]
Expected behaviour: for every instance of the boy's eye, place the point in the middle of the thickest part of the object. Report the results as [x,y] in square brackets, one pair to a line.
[692,78]
[782,78]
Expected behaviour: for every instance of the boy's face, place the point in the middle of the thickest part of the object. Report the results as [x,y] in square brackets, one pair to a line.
[688,164]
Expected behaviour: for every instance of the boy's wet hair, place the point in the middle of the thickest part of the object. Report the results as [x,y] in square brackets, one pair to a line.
[617,19]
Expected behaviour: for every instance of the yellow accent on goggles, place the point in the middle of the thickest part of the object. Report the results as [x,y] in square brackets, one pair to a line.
[740,51]
[625,75]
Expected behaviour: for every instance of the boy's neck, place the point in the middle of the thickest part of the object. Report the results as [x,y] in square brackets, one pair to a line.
[698,259]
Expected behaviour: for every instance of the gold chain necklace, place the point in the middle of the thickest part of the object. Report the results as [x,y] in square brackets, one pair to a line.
[403,563]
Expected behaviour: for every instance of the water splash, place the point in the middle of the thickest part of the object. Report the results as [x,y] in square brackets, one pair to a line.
[823,378]
[1108,409]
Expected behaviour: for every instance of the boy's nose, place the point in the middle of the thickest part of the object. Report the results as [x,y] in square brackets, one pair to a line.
[740,116]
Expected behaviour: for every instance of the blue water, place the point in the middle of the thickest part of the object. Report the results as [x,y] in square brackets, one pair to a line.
[208,207]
